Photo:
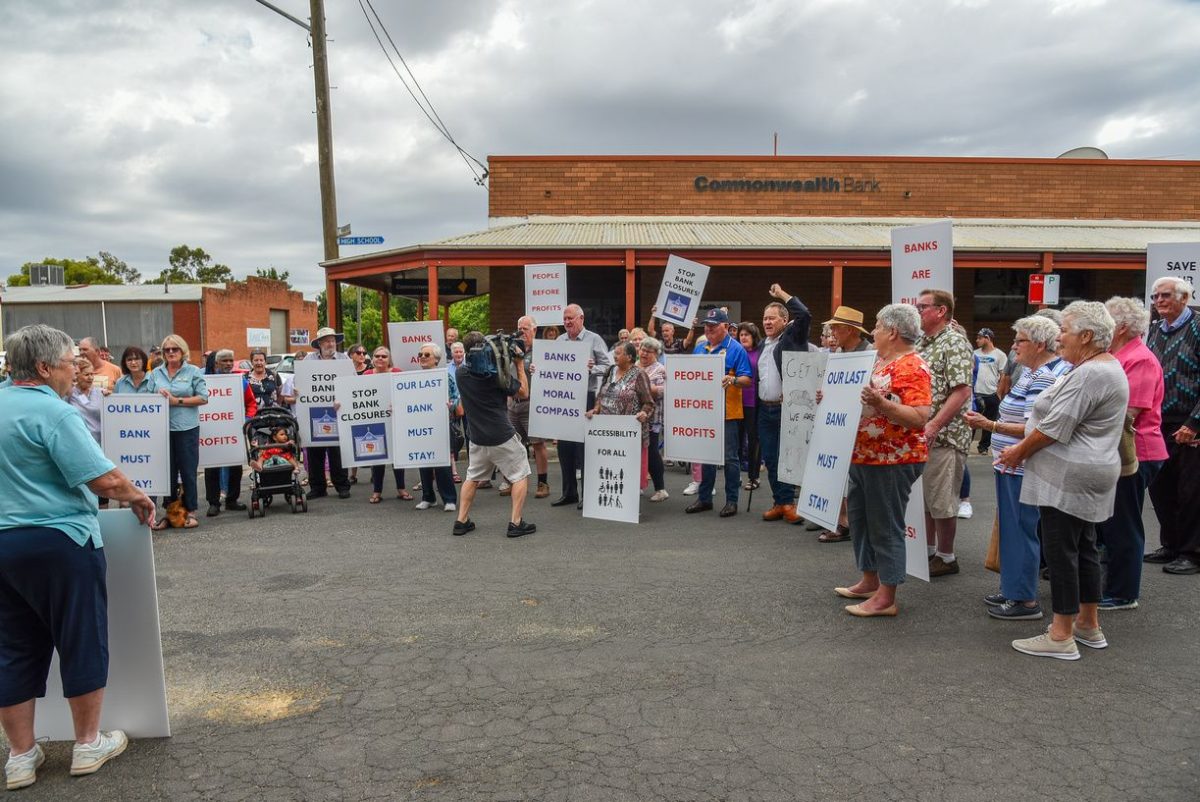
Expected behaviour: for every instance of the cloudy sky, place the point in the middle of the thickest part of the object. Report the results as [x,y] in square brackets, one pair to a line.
[132,126]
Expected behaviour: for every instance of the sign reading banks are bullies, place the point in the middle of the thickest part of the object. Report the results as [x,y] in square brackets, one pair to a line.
[133,434]
[612,468]
[922,258]
[365,418]
[558,389]
[682,287]
[546,293]
[316,397]
[421,423]
[407,338]
[1173,260]
[694,408]
[221,420]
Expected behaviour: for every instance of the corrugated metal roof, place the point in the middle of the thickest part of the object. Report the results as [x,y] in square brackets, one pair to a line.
[108,293]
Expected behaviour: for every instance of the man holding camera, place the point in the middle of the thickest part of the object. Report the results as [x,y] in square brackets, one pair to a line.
[485,388]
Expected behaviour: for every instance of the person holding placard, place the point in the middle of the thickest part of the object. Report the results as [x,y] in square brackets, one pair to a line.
[890,452]
[649,354]
[429,357]
[136,378]
[183,385]
[518,413]
[625,390]
[223,365]
[325,346]
[570,453]
[381,362]
[52,564]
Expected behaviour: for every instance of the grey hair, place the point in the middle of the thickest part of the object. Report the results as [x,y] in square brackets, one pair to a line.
[1050,314]
[1091,316]
[458,346]
[653,344]
[33,345]
[223,353]
[904,319]
[1131,312]
[437,350]
[1039,329]
[1181,288]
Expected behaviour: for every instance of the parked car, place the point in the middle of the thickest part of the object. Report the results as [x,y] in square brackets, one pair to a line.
[281,363]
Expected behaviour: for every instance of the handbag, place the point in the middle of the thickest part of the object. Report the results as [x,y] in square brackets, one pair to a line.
[992,561]
[1128,448]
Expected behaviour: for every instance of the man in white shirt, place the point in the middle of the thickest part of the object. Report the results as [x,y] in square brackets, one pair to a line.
[990,363]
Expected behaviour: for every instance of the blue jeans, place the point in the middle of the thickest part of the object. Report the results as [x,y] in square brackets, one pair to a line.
[770,419]
[445,484]
[1020,547]
[733,470]
[185,462]
[876,500]
[1123,536]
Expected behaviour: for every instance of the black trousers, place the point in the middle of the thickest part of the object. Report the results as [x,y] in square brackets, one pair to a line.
[1069,544]
[991,411]
[1174,494]
[212,485]
[570,459]
[316,469]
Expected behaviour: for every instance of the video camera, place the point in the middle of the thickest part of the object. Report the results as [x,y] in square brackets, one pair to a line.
[497,356]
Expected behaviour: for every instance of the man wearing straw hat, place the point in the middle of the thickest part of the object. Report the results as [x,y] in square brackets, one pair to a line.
[325,346]
[847,327]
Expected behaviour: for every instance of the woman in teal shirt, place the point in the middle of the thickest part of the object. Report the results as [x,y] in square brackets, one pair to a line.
[182,384]
[133,365]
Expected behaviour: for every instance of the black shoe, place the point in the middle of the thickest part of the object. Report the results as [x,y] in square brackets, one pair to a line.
[235,506]
[728,511]
[698,506]
[1182,566]
[344,493]
[522,528]
[318,493]
[563,501]
[213,510]
[579,504]
[1161,555]
[462,527]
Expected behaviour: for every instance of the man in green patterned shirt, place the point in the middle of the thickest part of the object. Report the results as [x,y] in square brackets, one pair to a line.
[949,357]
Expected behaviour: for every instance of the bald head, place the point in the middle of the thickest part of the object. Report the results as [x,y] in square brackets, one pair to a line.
[89,350]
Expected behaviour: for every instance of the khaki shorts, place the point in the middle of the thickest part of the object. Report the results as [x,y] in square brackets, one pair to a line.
[943,479]
[509,458]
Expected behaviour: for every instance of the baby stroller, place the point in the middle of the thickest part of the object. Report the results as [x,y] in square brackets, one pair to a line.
[275,479]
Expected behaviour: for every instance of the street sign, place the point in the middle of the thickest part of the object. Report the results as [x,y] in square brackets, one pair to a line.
[360,240]
[1043,289]
[446,286]
[343,231]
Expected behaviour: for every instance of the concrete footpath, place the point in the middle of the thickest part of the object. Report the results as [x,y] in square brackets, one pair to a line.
[361,652]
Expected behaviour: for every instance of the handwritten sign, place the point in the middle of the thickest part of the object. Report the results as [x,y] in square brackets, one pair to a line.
[1173,260]
[406,340]
[694,408]
[133,434]
[316,395]
[922,258]
[802,374]
[682,287]
[221,419]
[546,293]
[613,461]
[558,391]
[421,426]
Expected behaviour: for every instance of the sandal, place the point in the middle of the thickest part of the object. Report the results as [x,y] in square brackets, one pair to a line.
[842,533]
[376,498]
[404,495]
[160,525]
[751,484]
[190,522]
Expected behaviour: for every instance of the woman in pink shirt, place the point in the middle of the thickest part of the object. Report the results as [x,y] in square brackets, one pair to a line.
[1123,535]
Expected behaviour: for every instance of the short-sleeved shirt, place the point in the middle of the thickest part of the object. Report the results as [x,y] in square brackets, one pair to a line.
[950,361]
[1146,391]
[47,460]
[881,441]
[990,366]
[89,407]
[486,407]
[125,385]
[187,382]
[737,363]
[107,375]
[1017,406]
[657,376]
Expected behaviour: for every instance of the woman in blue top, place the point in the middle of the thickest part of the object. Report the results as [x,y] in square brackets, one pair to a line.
[136,379]
[182,384]
[52,567]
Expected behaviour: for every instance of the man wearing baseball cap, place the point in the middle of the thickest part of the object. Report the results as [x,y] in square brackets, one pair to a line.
[990,363]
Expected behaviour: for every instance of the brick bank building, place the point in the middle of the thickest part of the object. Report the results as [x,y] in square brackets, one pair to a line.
[820,226]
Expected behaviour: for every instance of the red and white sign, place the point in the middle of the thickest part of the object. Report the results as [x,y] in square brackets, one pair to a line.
[546,293]
[221,419]
[1043,289]
[406,340]
[922,258]
[694,409]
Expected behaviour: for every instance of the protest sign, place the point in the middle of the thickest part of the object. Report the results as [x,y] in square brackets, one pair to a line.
[316,394]
[365,418]
[922,258]
[221,421]
[546,293]
[802,374]
[134,435]
[558,389]
[694,408]
[612,468]
[1173,260]
[421,428]
[135,698]
[258,338]
[915,554]
[407,338]
[832,443]
[682,286]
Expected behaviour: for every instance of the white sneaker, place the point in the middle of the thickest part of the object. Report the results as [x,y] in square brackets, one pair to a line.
[965,510]
[692,489]
[423,505]
[660,495]
[88,758]
[450,507]
[21,770]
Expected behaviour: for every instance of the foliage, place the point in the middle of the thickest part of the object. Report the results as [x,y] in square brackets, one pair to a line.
[192,266]
[102,269]
[274,273]
[466,315]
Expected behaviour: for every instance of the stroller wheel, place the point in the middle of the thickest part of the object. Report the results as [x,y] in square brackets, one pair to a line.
[256,508]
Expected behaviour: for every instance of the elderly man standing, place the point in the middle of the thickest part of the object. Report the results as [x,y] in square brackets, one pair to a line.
[950,360]
[570,454]
[451,337]
[1175,340]
[107,374]
[325,346]
[223,364]
[518,414]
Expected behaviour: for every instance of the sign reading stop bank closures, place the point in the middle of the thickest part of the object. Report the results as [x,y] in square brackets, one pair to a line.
[365,418]
[682,288]
[546,293]
[316,396]
[221,419]
[133,434]
[922,258]
[694,409]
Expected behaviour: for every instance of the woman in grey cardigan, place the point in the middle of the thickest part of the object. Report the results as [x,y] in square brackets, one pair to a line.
[1070,451]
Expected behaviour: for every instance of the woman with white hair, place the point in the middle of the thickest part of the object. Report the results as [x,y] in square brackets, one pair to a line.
[1123,536]
[1071,470]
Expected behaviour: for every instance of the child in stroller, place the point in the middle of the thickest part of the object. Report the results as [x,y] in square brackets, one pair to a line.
[274,460]
[282,451]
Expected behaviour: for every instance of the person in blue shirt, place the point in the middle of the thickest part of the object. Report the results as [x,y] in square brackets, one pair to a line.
[183,385]
[52,566]
[136,374]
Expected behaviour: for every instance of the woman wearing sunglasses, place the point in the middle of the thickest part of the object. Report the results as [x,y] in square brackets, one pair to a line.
[183,385]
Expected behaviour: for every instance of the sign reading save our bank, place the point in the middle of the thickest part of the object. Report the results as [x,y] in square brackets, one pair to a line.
[133,434]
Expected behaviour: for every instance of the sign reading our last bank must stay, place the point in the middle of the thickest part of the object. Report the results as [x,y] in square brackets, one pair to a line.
[421,419]
[133,434]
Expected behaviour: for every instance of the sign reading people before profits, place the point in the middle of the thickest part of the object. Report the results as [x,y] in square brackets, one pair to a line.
[221,421]
[916,556]
[133,434]
[421,429]
[316,394]
[546,293]
[694,408]
[558,389]
[682,287]
[365,418]
[834,432]
[612,468]
[1173,260]
[922,258]
[802,374]
[406,340]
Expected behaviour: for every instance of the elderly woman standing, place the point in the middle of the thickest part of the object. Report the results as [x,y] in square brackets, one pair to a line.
[1071,471]
[649,352]
[52,567]
[381,362]
[1020,547]
[1123,536]
[183,385]
[625,390]
[889,455]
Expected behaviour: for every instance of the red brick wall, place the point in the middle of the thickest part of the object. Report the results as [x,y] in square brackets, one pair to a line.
[187,326]
[247,305]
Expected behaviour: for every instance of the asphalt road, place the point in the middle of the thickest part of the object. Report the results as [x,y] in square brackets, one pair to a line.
[361,652]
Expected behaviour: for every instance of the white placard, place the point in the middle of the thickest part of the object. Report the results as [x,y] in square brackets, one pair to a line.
[694,408]
[221,419]
[558,389]
[421,429]
[134,435]
[612,468]
[135,699]
[832,443]
[258,338]
[915,553]
[682,287]
[802,374]
[407,338]
[316,394]
[922,258]
[365,418]
[546,293]
[1173,260]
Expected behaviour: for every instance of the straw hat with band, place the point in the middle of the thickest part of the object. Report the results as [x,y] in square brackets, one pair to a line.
[847,316]
[326,332]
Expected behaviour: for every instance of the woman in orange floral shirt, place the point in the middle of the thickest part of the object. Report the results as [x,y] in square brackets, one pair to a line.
[889,455]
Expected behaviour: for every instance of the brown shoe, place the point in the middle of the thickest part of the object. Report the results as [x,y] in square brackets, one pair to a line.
[506,490]
[777,512]
[543,490]
[790,515]
[939,567]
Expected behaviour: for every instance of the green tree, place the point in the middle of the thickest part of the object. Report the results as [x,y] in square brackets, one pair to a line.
[474,314]
[188,265]
[75,271]
[274,273]
[117,267]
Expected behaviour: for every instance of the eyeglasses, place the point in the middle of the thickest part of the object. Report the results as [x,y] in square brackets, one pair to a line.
[359,353]
[1162,296]
[380,356]
[172,350]
[1020,340]
[425,356]
[923,307]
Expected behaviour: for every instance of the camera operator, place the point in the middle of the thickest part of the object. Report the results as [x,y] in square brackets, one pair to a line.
[485,384]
